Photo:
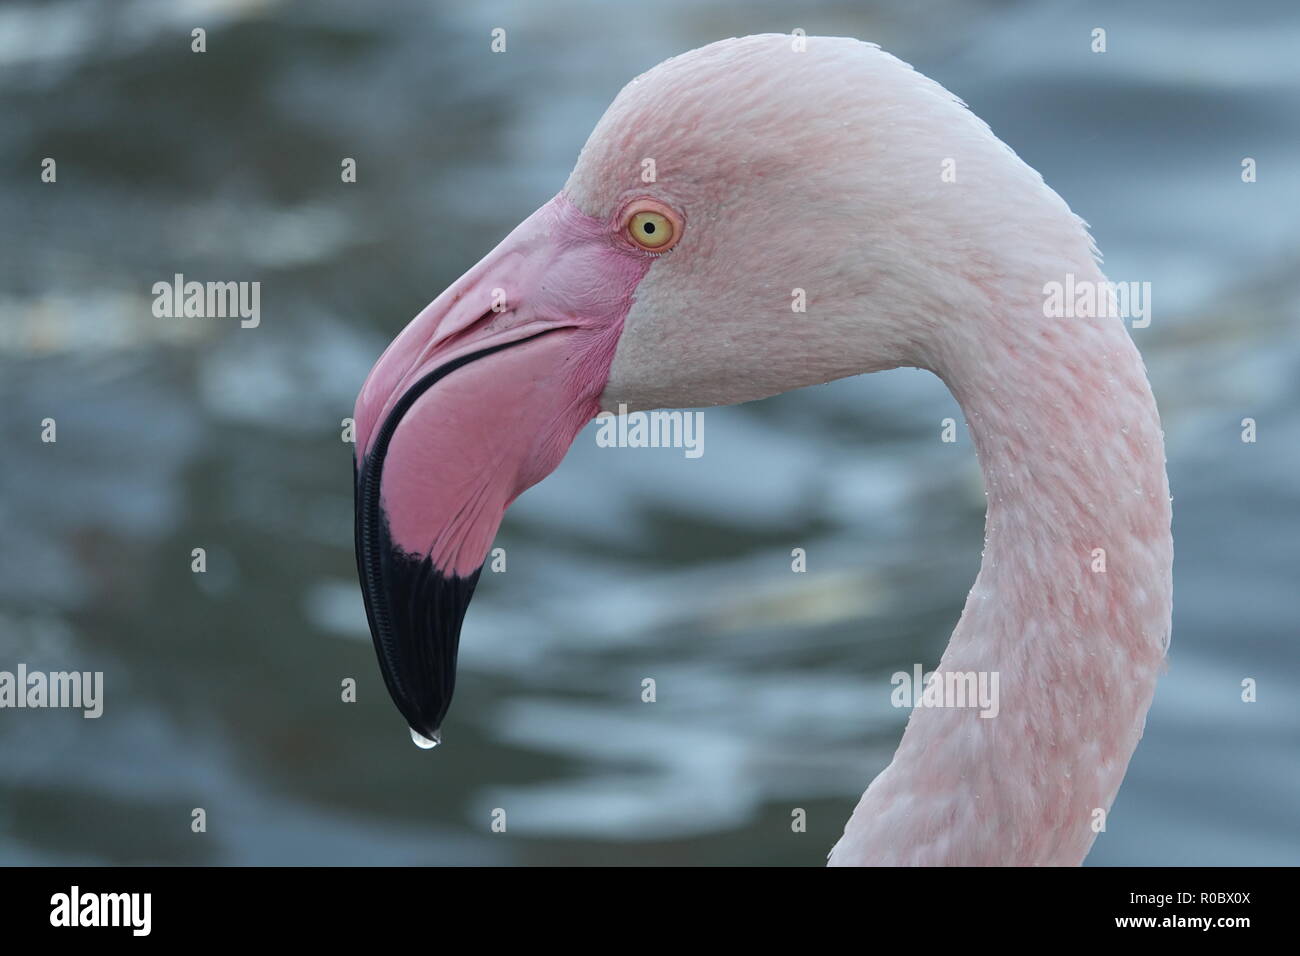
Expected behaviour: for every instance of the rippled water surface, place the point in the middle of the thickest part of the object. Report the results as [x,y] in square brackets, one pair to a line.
[223,688]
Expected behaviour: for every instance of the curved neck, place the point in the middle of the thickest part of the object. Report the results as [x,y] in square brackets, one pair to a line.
[1070,610]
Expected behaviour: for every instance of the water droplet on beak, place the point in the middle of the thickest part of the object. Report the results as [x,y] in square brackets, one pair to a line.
[423,742]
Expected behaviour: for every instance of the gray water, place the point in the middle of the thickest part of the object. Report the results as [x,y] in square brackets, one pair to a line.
[223,688]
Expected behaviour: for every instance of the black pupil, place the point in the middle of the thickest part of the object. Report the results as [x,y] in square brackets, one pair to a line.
[648,228]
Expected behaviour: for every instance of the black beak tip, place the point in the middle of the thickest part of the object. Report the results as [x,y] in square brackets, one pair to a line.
[415,613]
[415,621]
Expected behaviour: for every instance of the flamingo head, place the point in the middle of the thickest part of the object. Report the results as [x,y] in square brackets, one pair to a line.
[745,219]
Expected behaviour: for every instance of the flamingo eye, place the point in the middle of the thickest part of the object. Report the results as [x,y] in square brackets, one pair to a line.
[652,229]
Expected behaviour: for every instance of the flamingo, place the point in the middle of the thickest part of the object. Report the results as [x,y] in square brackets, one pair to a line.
[715,186]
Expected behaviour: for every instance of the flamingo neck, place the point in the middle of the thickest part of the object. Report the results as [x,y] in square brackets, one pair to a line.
[1070,609]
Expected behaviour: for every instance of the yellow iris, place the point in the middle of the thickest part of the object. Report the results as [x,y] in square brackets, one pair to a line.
[650,229]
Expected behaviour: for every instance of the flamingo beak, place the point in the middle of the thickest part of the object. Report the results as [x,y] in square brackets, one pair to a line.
[478,399]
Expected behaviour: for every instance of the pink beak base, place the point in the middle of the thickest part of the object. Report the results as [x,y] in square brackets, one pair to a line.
[466,409]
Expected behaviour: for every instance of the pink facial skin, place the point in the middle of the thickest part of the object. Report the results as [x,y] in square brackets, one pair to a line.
[477,438]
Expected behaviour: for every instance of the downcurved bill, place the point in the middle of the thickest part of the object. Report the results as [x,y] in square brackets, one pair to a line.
[476,400]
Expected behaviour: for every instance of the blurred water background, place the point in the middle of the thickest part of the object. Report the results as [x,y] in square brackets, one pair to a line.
[223,689]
